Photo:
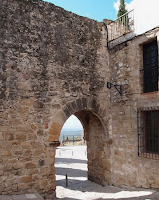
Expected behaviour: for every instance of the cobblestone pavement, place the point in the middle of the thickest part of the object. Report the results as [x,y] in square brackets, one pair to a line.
[22,197]
[73,162]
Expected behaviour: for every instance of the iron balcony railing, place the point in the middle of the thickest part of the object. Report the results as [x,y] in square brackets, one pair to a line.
[121,26]
[71,138]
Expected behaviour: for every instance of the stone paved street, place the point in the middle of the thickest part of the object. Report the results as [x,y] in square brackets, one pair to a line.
[72,160]
[21,197]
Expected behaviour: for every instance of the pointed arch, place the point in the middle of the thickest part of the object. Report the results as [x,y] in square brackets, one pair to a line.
[80,108]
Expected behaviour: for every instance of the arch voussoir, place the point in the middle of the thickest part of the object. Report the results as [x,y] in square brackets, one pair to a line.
[56,126]
[84,103]
[66,111]
[73,105]
[95,106]
[79,104]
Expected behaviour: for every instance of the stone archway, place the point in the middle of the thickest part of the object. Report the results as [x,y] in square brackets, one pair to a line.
[88,112]
[73,107]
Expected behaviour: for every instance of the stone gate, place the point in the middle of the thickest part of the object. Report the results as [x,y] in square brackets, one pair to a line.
[54,64]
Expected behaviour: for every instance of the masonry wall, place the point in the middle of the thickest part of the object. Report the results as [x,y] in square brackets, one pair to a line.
[53,63]
[126,62]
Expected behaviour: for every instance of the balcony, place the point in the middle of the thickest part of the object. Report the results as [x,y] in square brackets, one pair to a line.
[122,29]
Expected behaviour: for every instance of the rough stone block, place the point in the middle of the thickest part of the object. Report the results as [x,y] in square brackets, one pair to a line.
[1,136]
[38,104]
[53,138]
[17,165]
[23,186]
[79,104]
[56,126]
[26,144]
[84,103]
[43,183]
[54,132]
[30,165]
[67,112]
[25,179]
[38,152]
[6,153]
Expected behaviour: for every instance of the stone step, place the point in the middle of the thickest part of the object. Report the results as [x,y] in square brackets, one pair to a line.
[35,196]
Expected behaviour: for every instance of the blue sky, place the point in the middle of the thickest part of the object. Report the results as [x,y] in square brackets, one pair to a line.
[94,9]
[73,123]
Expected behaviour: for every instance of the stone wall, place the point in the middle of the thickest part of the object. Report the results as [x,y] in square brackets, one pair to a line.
[53,64]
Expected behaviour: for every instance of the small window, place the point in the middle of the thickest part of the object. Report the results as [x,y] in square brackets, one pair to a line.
[150,67]
[148,133]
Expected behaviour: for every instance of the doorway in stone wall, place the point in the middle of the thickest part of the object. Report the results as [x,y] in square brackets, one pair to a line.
[83,163]
[71,158]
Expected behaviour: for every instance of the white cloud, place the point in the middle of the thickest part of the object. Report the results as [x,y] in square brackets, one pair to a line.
[128,6]
[146,14]
[116,5]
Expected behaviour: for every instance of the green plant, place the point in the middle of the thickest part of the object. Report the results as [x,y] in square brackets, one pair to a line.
[122,10]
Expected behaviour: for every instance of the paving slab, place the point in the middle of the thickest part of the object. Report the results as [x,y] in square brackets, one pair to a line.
[4,197]
[35,196]
[19,197]
[39,197]
[30,196]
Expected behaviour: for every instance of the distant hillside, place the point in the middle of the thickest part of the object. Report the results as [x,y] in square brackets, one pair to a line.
[68,132]
[71,132]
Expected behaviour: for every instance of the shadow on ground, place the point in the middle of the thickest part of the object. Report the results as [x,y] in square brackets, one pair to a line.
[71,172]
[79,188]
[87,186]
[69,160]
